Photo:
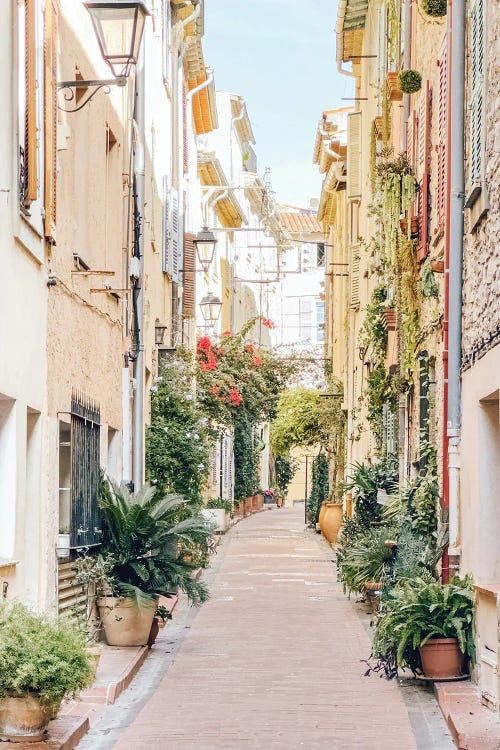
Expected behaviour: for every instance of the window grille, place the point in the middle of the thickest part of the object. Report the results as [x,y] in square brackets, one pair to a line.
[85,451]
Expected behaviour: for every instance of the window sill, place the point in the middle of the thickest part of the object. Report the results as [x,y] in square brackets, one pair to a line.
[477,203]
[6,562]
[491,590]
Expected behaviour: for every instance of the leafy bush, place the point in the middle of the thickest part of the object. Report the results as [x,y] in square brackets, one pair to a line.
[418,609]
[365,483]
[41,655]
[320,489]
[434,7]
[220,503]
[285,467]
[246,458]
[179,438]
[410,81]
[365,557]
[143,536]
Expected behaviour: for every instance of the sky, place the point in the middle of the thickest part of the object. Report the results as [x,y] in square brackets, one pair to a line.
[280,56]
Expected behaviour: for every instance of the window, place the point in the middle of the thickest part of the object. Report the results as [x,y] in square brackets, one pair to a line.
[28,157]
[8,476]
[320,255]
[79,452]
[320,321]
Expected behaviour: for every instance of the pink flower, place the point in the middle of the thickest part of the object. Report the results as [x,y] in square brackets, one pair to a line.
[267,323]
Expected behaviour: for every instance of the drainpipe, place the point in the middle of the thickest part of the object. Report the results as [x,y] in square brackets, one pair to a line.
[407,13]
[139,177]
[453,278]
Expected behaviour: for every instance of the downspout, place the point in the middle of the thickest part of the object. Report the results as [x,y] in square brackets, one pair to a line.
[139,179]
[407,12]
[453,277]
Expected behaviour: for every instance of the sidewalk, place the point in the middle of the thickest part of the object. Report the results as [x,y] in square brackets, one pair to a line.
[271,662]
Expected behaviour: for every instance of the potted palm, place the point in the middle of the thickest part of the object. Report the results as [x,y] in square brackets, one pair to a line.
[43,660]
[428,627]
[149,537]
[217,513]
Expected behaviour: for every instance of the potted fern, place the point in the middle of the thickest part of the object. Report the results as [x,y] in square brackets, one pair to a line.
[42,661]
[149,537]
[427,627]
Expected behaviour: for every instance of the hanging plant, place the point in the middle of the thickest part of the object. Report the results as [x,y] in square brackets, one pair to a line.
[429,284]
[434,7]
[410,81]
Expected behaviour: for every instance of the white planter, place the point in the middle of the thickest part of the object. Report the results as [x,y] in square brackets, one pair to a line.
[63,545]
[216,517]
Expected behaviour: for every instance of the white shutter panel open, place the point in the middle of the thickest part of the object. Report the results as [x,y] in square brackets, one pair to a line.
[354,295]
[166,262]
[354,155]
[175,245]
[477,93]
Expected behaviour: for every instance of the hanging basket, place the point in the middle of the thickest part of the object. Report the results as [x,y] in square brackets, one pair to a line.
[410,81]
[435,8]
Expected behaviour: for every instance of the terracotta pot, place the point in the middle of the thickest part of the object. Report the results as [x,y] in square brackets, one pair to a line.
[437,266]
[441,658]
[394,92]
[248,506]
[24,719]
[414,227]
[259,499]
[330,520]
[153,633]
[390,319]
[125,624]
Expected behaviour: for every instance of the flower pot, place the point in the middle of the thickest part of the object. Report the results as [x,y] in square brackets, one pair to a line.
[126,624]
[63,549]
[248,505]
[437,266]
[414,226]
[441,658]
[216,517]
[330,520]
[155,629]
[259,498]
[390,319]
[24,719]
[393,91]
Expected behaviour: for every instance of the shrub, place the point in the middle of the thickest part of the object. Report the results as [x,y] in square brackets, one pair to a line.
[320,487]
[365,483]
[434,7]
[410,81]
[220,503]
[365,557]
[42,655]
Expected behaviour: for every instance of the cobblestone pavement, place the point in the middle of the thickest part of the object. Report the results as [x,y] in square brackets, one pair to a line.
[271,662]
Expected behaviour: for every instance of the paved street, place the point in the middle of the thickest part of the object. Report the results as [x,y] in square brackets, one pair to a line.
[272,661]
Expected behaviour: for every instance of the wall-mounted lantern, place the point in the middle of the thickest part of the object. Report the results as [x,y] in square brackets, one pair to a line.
[119,26]
[159,332]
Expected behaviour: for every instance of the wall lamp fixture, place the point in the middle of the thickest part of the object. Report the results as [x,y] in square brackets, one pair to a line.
[159,332]
[118,26]
[205,243]
[211,307]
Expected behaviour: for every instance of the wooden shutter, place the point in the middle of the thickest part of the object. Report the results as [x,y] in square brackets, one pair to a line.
[354,155]
[189,277]
[354,293]
[442,137]
[423,164]
[477,93]
[29,160]
[166,262]
[411,136]
[50,119]
[174,236]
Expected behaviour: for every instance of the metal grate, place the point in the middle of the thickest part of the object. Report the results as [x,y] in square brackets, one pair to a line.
[85,450]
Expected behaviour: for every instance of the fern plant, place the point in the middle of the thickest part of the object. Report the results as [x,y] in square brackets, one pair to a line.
[148,544]
[365,558]
[419,609]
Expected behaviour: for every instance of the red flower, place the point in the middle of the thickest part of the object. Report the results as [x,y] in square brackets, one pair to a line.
[227,333]
[250,347]
[211,364]
[214,390]
[267,323]
[235,397]
[257,360]
[204,344]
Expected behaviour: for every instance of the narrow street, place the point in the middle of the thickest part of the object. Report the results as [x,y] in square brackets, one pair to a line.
[272,661]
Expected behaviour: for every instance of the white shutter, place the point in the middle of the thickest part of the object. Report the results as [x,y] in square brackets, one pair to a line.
[175,243]
[354,279]
[166,40]
[477,92]
[354,155]
[166,261]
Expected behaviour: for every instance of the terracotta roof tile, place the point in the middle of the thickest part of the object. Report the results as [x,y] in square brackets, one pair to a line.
[300,222]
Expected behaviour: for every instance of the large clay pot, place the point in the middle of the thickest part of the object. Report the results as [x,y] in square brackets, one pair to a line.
[248,506]
[24,719]
[441,658]
[255,503]
[126,624]
[153,633]
[330,520]
[260,500]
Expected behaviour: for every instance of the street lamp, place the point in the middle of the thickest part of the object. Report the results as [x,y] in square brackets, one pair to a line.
[211,307]
[205,247]
[159,332]
[119,26]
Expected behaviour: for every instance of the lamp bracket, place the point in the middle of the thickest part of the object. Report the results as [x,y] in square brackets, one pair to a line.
[70,88]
